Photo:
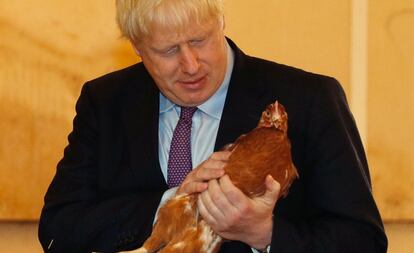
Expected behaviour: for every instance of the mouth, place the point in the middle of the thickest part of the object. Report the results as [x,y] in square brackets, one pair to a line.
[193,83]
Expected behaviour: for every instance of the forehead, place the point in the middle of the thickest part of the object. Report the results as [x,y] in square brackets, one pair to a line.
[161,35]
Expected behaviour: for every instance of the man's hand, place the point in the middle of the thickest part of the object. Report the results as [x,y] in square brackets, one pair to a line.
[235,216]
[212,168]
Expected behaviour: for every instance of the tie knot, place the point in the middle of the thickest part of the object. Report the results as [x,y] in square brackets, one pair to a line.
[187,112]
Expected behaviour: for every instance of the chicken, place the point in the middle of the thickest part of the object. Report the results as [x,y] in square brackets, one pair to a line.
[264,150]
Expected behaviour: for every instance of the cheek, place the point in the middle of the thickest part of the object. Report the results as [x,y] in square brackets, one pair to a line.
[165,73]
[213,58]
[216,63]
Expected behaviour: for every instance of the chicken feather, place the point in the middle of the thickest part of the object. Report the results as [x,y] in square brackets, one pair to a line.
[264,150]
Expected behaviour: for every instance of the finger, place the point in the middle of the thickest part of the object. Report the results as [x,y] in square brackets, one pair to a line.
[272,191]
[196,180]
[205,171]
[204,212]
[208,169]
[191,187]
[220,200]
[210,202]
[221,155]
[205,174]
[234,195]
[211,164]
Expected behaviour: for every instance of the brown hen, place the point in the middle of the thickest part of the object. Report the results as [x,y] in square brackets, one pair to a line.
[264,150]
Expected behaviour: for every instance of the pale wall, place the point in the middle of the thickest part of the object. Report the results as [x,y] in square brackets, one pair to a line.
[391,106]
[49,48]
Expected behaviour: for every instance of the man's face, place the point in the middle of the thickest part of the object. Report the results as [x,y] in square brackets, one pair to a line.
[187,66]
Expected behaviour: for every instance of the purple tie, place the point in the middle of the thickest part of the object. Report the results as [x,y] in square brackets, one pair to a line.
[179,161]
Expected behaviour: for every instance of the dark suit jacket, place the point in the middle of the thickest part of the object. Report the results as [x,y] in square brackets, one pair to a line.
[109,183]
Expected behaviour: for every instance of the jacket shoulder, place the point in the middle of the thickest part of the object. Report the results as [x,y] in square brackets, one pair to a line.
[115,85]
[291,81]
[117,79]
[286,73]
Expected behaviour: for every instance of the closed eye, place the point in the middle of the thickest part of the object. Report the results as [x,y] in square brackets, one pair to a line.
[196,42]
[170,51]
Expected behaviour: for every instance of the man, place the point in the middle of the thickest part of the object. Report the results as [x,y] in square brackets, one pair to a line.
[115,170]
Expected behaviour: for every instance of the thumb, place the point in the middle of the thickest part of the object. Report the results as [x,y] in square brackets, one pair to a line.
[272,190]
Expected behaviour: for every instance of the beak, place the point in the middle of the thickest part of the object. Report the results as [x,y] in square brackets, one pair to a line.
[276,105]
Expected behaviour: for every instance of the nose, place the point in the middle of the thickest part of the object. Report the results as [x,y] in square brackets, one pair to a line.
[189,61]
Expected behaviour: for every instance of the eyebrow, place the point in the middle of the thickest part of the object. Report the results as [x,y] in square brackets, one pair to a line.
[198,36]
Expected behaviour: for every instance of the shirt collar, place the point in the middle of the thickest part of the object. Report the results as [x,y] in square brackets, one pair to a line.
[214,105]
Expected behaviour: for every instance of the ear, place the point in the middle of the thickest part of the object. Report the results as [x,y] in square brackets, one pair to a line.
[136,50]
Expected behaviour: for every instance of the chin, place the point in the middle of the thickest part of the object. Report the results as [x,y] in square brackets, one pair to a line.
[192,99]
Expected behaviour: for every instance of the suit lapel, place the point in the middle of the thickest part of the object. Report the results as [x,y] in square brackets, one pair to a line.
[140,120]
[242,108]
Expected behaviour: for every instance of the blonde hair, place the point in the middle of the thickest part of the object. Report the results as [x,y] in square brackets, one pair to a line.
[135,18]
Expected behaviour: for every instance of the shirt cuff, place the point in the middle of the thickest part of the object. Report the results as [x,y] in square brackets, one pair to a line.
[257,251]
